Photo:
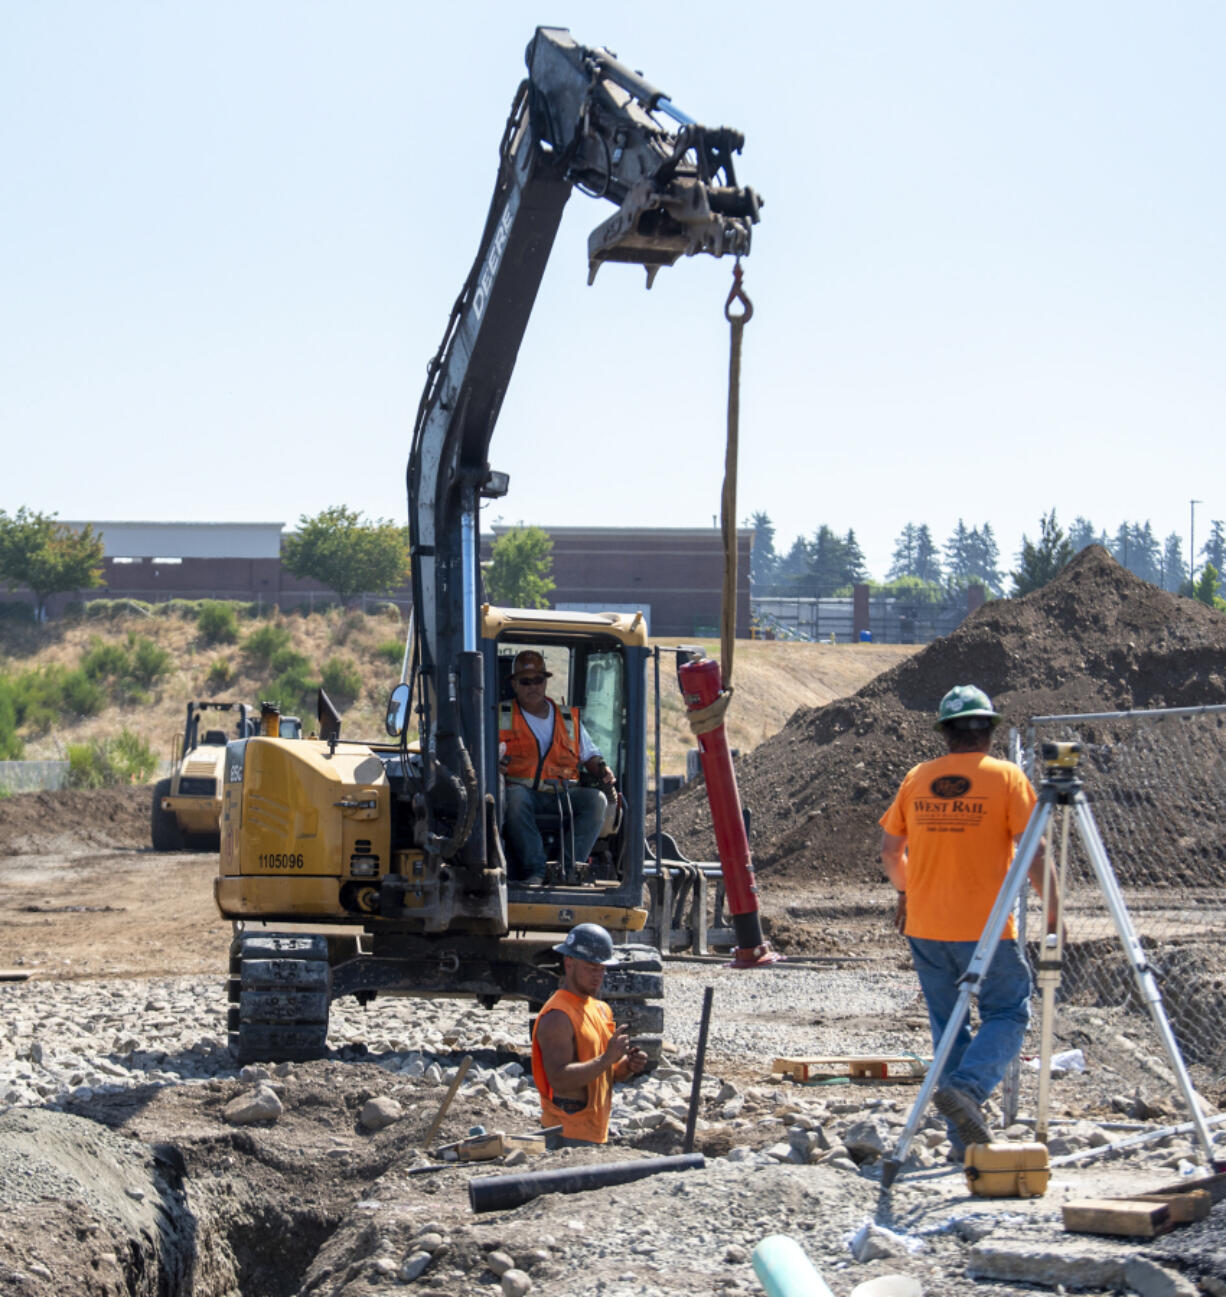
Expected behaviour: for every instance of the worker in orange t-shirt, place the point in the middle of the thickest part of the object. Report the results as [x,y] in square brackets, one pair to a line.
[577,1050]
[947,844]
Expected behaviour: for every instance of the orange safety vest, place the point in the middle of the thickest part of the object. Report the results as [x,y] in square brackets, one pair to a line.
[525,762]
[592,1023]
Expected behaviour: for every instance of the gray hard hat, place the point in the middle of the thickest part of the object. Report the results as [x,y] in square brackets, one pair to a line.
[588,942]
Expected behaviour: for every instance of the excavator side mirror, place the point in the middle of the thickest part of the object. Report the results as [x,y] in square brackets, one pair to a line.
[398,710]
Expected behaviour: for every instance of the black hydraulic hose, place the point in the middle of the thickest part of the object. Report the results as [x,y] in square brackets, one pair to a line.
[501,1192]
[465,788]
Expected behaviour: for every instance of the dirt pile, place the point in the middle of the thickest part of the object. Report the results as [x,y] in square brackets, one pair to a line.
[1097,638]
[74,821]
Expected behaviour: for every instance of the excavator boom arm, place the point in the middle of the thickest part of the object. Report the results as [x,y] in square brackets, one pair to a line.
[580,119]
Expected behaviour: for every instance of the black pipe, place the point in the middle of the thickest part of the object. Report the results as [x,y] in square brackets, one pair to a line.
[500,1192]
[695,1090]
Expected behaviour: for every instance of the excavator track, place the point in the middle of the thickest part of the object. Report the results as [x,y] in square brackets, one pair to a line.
[279,991]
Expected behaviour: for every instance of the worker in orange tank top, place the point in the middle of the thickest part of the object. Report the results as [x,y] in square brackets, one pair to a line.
[577,1050]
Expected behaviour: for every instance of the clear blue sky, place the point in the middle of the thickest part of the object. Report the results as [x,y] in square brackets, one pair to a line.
[990,277]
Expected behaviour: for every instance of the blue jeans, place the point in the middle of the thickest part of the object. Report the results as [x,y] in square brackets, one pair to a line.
[976,1064]
[527,850]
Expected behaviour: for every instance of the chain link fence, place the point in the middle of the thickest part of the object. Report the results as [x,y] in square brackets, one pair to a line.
[1155,784]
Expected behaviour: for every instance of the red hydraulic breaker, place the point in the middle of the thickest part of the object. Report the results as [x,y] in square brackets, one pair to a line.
[705,701]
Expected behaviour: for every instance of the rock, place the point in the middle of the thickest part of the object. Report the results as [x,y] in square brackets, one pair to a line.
[515,1283]
[735,1254]
[261,1105]
[1151,1280]
[1086,1266]
[499,1262]
[889,1285]
[414,1266]
[379,1112]
[431,1241]
[517,1157]
[871,1243]
[867,1140]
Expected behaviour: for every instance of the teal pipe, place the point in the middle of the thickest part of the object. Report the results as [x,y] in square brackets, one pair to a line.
[784,1270]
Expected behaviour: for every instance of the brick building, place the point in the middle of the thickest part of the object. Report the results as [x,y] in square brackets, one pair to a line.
[674,574]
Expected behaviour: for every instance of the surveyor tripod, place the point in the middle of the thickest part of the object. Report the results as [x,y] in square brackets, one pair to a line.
[1061,788]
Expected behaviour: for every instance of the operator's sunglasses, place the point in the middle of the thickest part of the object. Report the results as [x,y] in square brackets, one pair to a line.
[530,680]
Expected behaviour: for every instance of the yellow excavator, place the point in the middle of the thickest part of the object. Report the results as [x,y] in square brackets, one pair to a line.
[390,852]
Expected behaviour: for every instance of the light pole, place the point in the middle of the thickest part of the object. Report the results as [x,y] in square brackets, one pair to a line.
[1192,543]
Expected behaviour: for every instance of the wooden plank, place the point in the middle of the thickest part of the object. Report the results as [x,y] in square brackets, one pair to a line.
[1126,1217]
[868,1068]
[1213,1185]
[1184,1207]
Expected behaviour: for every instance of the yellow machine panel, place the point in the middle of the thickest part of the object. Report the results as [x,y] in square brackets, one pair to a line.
[312,834]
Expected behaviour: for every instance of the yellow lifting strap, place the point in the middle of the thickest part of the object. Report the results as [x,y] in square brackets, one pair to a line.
[738,320]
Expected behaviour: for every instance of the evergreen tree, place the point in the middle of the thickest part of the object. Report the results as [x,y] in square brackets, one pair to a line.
[927,564]
[1081,534]
[1214,549]
[957,557]
[853,560]
[1038,564]
[828,564]
[983,558]
[1174,569]
[904,560]
[795,563]
[1206,590]
[763,562]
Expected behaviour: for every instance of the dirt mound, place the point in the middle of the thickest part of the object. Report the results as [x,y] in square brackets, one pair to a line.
[74,820]
[1097,638]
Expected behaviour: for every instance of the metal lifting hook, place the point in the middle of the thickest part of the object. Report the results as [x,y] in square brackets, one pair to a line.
[737,294]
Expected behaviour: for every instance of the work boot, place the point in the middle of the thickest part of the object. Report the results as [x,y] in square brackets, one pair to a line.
[965,1113]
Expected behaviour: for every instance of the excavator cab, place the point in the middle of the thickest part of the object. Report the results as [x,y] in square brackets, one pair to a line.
[597,664]
[589,678]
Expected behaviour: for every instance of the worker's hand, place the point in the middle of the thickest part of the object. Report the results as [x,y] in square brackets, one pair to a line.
[900,914]
[618,1046]
[636,1060]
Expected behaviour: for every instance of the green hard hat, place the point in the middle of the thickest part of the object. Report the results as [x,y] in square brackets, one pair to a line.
[963,701]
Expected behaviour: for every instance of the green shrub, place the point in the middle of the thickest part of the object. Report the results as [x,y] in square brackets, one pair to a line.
[391,651]
[11,746]
[217,622]
[43,696]
[294,688]
[185,608]
[103,661]
[126,672]
[113,609]
[261,644]
[287,659]
[342,680]
[18,612]
[106,763]
[383,608]
[149,661]
[80,695]
[221,675]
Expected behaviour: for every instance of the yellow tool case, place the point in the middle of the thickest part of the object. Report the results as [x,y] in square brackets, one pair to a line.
[1007,1170]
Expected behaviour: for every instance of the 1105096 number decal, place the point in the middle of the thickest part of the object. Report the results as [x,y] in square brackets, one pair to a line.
[281,860]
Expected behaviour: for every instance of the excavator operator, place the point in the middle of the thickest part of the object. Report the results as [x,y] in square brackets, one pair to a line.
[543,748]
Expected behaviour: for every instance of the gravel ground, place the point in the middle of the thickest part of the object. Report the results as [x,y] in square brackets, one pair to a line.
[119,1099]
